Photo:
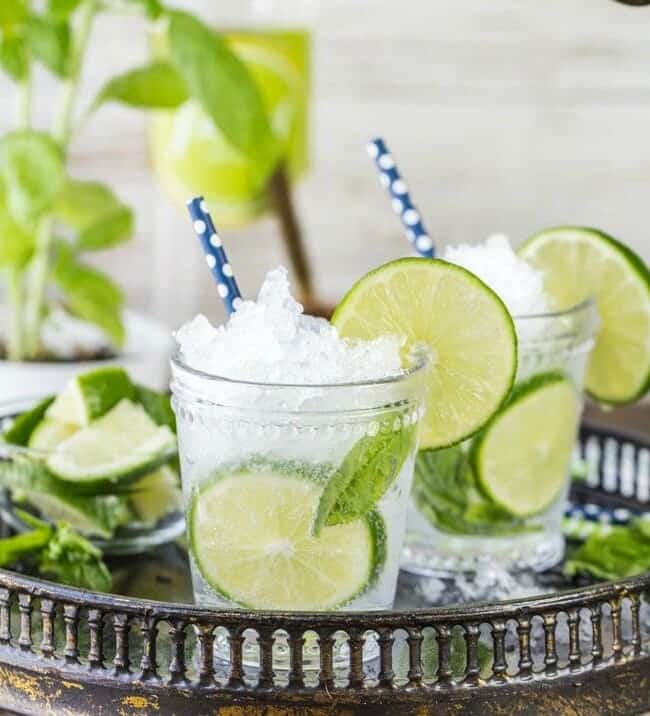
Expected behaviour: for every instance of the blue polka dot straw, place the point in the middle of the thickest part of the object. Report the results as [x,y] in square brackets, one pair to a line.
[215,256]
[391,179]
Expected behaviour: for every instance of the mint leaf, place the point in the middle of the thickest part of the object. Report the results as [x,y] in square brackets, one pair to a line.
[65,555]
[71,559]
[16,244]
[12,13]
[623,552]
[99,216]
[222,85]
[49,41]
[445,475]
[32,167]
[12,549]
[152,8]
[445,493]
[14,56]
[101,219]
[112,229]
[365,474]
[156,86]
[62,9]
[90,294]
[19,432]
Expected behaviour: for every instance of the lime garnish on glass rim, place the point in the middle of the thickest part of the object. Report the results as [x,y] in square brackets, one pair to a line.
[581,263]
[463,323]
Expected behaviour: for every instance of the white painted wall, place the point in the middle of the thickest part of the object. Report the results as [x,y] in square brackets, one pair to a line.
[508,115]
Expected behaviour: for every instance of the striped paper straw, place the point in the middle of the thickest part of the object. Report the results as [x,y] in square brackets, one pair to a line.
[215,256]
[391,179]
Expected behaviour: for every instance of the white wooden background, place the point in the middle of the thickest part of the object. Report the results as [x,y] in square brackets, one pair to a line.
[508,115]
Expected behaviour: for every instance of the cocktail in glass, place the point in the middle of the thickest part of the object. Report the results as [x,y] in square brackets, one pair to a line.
[260,462]
[500,496]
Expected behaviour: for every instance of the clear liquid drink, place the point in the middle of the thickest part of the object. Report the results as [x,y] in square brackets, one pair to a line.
[297,467]
[296,496]
[500,497]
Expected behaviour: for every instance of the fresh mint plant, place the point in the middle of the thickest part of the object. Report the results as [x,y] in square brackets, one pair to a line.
[50,221]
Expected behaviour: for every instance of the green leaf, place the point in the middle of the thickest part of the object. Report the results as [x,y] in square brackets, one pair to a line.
[82,203]
[90,294]
[156,86]
[157,405]
[27,544]
[16,244]
[49,40]
[444,490]
[96,213]
[222,85]
[71,559]
[624,552]
[23,426]
[62,9]
[114,228]
[12,14]
[367,471]
[32,167]
[446,475]
[14,56]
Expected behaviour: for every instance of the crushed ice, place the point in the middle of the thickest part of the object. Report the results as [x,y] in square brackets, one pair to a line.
[519,285]
[271,340]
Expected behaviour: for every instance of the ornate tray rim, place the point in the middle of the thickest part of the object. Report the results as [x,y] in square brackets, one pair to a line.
[36,673]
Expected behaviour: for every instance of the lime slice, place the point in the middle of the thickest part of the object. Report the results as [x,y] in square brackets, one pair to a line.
[156,495]
[581,263]
[465,325]
[49,433]
[250,534]
[522,459]
[91,395]
[123,445]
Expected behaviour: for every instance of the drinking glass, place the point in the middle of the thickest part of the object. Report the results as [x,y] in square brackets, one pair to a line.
[455,522]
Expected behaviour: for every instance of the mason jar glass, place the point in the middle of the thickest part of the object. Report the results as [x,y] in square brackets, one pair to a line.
[296,495]
[500,497]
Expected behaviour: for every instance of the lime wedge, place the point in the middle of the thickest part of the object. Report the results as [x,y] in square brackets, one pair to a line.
[156,495]
[21,429]
[123,445]
[91,516]
[30,482]
[467,328]
[250,535]
[522,458]
[581,263]
[49,433]
[91,395]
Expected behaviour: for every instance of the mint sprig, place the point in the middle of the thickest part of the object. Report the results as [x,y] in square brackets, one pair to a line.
[49,221]
[623,552]
[58,552]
